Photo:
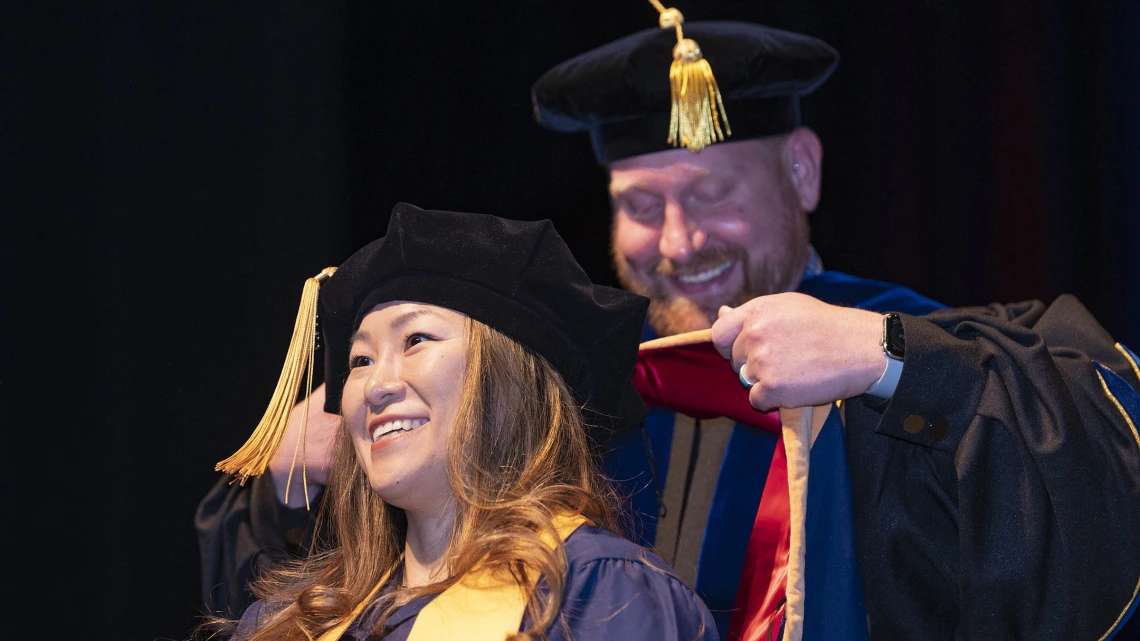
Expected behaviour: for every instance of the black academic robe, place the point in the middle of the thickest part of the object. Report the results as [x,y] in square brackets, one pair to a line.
[997,494]
[241,531]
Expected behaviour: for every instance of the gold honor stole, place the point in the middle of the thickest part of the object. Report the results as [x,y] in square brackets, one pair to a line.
[478,607]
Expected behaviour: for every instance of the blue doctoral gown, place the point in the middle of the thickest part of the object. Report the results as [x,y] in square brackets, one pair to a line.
[743,469]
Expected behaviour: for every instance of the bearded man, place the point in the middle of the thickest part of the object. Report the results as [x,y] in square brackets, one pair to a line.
[970,432]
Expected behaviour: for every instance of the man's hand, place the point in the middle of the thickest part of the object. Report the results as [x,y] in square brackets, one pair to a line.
[800,351]
[321,432]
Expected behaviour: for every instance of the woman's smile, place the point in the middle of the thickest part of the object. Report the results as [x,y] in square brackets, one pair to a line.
[385,431]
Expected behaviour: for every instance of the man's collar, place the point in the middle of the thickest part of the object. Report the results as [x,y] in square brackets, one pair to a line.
[815,264]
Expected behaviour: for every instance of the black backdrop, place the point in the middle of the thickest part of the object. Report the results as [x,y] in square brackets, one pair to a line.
[173,171]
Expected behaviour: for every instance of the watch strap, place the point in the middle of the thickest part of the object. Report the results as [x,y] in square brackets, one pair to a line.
[884,388]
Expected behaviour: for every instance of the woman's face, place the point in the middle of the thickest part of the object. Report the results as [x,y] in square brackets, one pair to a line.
[407,365]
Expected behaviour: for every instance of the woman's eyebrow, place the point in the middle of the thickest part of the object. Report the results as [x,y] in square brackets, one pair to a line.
[412,314]
[359,334]
[396,324]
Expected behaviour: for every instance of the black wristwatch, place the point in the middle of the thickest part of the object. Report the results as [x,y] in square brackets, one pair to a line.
[894,349]
[894,340]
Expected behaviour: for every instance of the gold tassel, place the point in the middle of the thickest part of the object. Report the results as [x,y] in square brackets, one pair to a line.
[697,107]
[253,458]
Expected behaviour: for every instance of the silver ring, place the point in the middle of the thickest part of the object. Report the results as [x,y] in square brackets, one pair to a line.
[744,381]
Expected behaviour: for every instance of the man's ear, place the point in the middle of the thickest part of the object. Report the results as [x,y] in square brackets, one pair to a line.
[803,155]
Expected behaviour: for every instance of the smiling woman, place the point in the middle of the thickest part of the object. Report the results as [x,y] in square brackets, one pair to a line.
[477,371]
[401,399]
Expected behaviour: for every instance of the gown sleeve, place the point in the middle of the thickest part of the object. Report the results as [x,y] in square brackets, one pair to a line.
[997,495]
[242,530]
[631,600]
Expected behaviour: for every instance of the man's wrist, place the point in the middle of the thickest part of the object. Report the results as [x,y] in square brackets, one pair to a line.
[893,346]
[884,388]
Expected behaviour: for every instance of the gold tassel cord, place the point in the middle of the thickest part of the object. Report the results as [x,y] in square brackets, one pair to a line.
[253,457]
[303,433]
[697,109]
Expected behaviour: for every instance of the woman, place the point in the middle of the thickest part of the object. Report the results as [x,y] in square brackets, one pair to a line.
[475,367]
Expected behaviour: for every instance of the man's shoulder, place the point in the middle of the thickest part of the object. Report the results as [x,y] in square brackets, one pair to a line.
[839,288]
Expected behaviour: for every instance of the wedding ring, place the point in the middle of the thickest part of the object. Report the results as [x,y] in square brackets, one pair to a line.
[744,381]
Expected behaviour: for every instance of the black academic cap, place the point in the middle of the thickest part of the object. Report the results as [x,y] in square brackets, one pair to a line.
[515,276]
[620,92]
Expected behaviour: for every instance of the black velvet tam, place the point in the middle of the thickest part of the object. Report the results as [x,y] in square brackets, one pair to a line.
[517,277]
[620,93]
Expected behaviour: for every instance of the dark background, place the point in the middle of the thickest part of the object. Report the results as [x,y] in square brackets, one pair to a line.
[173,171]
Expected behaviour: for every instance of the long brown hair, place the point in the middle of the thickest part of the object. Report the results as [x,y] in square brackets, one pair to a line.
[517,456]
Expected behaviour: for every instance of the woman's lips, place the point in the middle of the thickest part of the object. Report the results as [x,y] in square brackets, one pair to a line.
[389,439]
[389,431]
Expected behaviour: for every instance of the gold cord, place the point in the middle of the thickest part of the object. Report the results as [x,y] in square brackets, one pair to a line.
[1128,357]
[697,108]
[303,433]
[1136,437]
[253,457]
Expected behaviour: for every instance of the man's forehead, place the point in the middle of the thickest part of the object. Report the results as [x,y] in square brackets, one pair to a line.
[622,180]
[670,167]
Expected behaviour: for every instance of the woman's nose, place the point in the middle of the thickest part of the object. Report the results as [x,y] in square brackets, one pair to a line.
[383,386]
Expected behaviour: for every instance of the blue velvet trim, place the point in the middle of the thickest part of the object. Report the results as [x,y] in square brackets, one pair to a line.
[833,589]
[1126,395]
[839,288]
[1129,399]
[731,515]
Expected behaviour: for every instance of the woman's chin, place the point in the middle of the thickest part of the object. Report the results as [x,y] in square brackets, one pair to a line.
[410,492]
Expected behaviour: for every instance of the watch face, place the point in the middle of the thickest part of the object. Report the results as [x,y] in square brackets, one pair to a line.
[895,339]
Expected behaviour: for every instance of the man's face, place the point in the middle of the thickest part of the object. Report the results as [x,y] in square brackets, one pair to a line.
[697,231]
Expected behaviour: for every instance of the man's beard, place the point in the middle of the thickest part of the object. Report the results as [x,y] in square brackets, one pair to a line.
[670,312]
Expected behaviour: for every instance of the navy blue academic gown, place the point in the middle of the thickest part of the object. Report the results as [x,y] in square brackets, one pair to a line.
[614,590]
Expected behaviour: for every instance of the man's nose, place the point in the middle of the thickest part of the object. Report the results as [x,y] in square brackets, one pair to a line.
[681,237]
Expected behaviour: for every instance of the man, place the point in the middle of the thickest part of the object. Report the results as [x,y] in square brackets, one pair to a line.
[983,436]
[982,420]
[942,448]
